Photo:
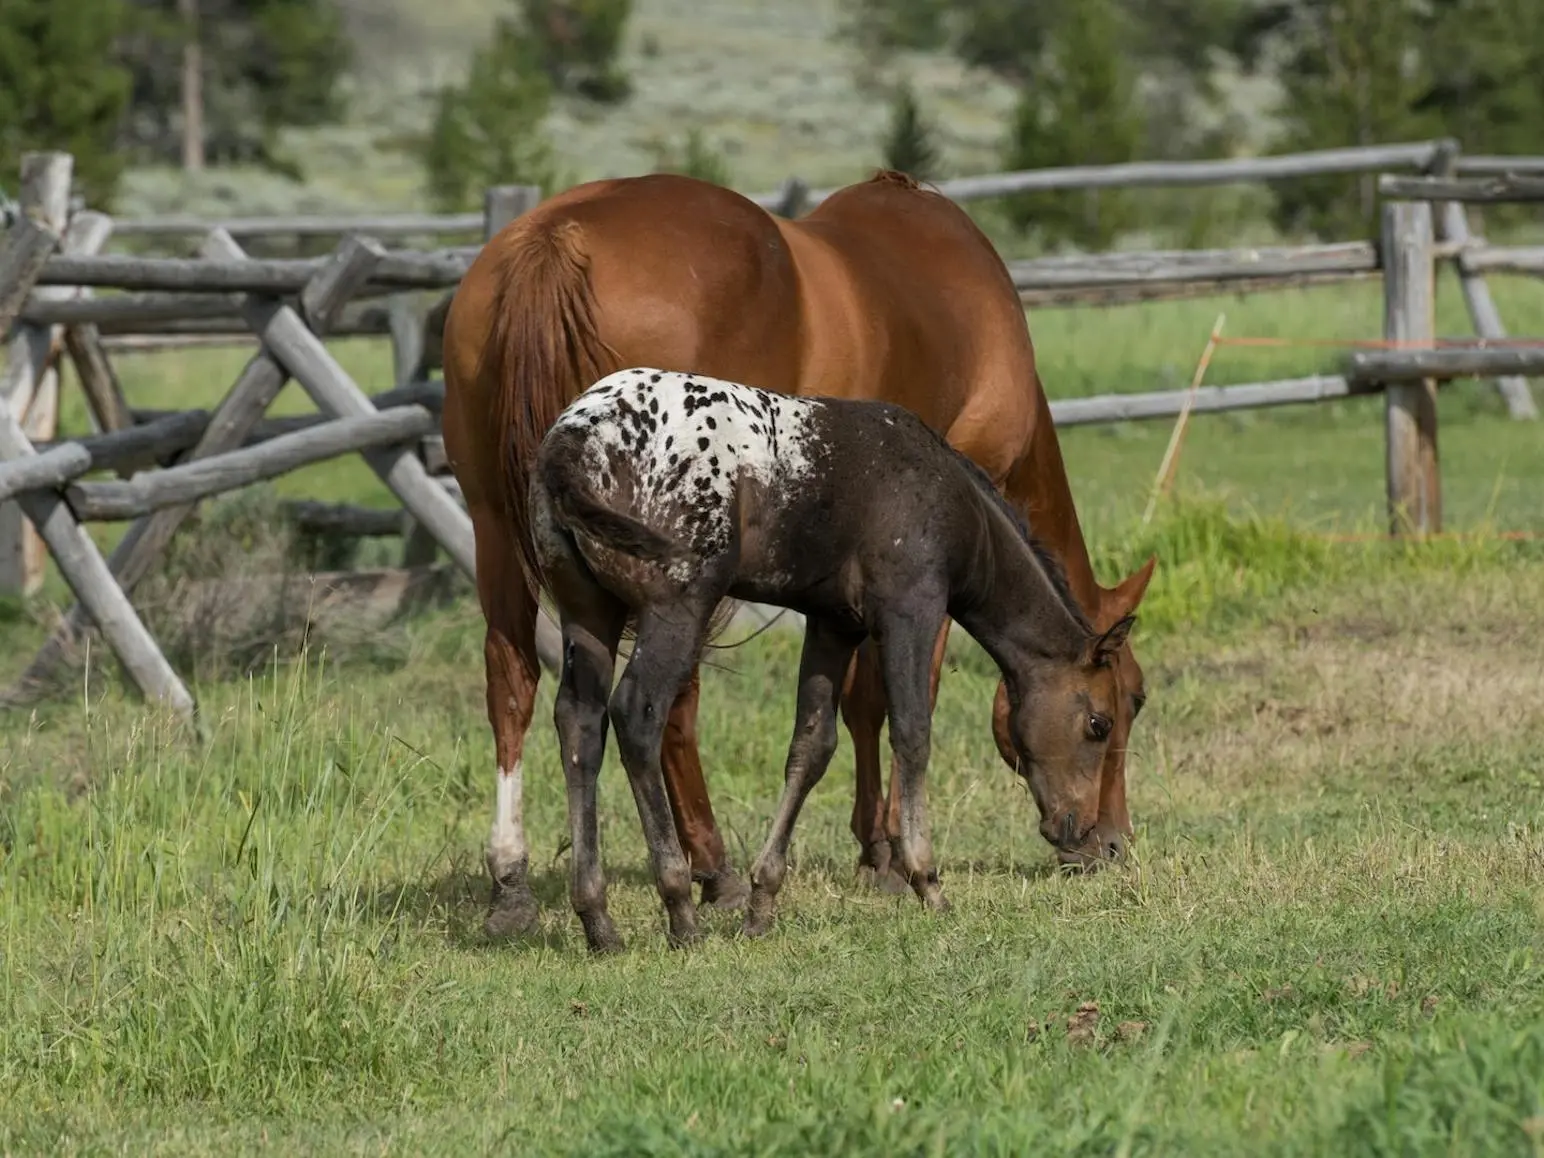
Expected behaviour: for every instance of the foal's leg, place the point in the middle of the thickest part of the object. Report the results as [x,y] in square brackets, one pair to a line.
[893,797]
[827,651]
[591,628]
[863,711]
[876,818]
[695,825]
[664,653]
[903,657]
[509,652]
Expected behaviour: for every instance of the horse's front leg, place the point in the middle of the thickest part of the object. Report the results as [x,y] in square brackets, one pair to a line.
[692,811]
[892,814]
[827,650]
[906,641]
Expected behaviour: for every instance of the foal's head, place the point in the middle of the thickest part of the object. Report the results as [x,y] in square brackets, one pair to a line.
[1061,720]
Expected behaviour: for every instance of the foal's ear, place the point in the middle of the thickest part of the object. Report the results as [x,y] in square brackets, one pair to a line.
[1113,639]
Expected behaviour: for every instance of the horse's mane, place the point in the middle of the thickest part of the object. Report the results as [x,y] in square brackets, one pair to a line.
[1055,573]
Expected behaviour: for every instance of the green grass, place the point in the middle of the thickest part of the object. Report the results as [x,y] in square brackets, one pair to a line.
[1331,940]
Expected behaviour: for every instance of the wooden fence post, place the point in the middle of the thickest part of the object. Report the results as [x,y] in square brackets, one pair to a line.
[33,399]
[1410,408]
[1452,225]
[503,203]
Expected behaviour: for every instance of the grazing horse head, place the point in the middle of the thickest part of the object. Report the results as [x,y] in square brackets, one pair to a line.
[1127,693]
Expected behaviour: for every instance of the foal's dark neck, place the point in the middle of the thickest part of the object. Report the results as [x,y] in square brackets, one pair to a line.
[1017,605]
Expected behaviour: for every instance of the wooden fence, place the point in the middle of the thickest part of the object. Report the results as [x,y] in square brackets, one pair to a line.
[166,462]
[794,195]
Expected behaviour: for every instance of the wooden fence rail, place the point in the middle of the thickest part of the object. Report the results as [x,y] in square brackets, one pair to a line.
[792,196]
[168,461]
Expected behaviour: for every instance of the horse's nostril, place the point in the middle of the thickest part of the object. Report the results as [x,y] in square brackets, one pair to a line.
[1114,850]
[1070,828]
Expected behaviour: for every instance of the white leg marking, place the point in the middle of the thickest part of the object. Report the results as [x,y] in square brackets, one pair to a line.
[506,844]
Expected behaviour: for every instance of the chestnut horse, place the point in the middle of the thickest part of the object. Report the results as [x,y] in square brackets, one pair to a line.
[884,291]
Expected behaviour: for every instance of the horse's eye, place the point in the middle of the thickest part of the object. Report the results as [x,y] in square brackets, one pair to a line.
[1137,704]
[1099,727]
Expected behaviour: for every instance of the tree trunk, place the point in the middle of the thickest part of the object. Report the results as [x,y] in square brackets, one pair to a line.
[192,89]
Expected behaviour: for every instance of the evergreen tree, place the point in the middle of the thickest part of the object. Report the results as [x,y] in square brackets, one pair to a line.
[1081,110]
[1486,65]
[59,88]
[577,43]
[266,65]
[489,130]
[1353,74]
[881,26]
[696,158]
[909,146]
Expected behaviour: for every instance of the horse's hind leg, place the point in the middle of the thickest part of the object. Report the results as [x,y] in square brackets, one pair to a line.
[695,825]
[509,652]
[664,653]
[827,651]
[863,711]
[592,624]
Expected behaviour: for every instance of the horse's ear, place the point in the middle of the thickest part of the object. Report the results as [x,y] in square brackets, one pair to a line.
[1113,639]
[1119,601]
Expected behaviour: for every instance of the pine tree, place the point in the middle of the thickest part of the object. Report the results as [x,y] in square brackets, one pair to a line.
[1353,76]
[1081,110]
[909,146]
[883,26]
[696,158]
[489,130]
[266,65]
[577,43]
[1486,65]
[59,88]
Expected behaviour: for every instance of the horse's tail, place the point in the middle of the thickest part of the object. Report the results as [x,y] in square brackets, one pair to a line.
[567,484]
[546,350]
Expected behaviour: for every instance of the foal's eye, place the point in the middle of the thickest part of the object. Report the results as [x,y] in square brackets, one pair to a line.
[1099,727]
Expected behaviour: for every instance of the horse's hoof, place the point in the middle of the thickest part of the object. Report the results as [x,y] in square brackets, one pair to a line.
[724,890]
[512,910]
[601,935]
[510,915]
[758,916]
[756,925]
[685,938]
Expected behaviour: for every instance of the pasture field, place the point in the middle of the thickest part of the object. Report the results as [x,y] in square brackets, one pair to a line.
[1331,939]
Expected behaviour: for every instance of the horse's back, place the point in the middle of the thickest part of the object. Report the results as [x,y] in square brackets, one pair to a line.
[940,309]
[687,276]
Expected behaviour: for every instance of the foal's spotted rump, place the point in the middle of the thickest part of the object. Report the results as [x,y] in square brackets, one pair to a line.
[686,439]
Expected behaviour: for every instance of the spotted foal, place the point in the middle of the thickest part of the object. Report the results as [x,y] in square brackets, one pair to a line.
[658,495]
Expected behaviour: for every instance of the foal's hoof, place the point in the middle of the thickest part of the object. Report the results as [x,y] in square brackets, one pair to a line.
[685,938]
[882,880]
[758,916]
[512,909]
[601,935]
[724,890]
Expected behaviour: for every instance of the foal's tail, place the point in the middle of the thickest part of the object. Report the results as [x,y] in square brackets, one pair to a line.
[567,484]
[546,350]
